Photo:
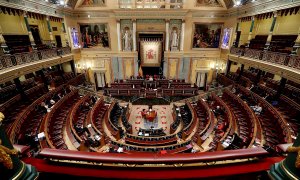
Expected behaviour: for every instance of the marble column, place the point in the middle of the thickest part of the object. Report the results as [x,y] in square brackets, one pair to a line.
[267,45]
[119,35]
[182,35]
[251,29]
[136,67]
[33,45]
[50,32]
[167,35]
[134,34]
[165,65]
[3,46]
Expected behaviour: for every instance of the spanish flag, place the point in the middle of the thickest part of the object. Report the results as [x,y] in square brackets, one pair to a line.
[140,71]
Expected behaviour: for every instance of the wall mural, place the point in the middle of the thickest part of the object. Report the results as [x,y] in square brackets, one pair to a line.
[207,3]
[151,53]
[226,38]
[94,35]
[93,2]
[207,35]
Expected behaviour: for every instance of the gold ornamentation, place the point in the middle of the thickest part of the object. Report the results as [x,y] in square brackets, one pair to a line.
[5,152]
[5,156]
[293,149]
[1,117]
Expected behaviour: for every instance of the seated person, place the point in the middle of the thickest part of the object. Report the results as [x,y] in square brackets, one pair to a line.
[43,107]
[257,109]
[143,113]
[150,78]
[94,99]
[218,111]
[51,103]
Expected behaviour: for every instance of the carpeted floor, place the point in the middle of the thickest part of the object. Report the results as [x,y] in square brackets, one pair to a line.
[164,118]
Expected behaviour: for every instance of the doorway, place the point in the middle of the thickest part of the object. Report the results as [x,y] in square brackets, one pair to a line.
[36,34]
[58,41]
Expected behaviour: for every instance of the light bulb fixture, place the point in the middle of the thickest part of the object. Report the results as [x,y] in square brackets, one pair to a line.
[238,3]
[62,2]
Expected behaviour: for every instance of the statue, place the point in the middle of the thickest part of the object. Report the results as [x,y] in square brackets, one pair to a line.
[126,41]
[174,40]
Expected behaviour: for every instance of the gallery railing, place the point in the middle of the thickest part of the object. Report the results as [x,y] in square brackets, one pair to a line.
[284,59]
[7,61]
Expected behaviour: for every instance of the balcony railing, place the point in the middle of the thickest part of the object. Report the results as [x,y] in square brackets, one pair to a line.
[7,61]
[284,59]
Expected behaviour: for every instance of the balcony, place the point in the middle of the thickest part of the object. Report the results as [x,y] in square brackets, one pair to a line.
[12,66]
[283,64]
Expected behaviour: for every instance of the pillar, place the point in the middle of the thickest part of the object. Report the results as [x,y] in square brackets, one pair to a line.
[251,29]
[50,32]
[165,67]
[271,31]
[241,72]
[182,35]
[119,35]
[296,47]
[228,66]
[235,39]
[167,35]
[33,45]
[134,34]
[65,34]
[3,47]
[281,87]
[136,66]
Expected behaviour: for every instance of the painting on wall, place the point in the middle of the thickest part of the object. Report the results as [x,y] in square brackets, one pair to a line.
[94,35]
[74,38]
[151,53]
[226,38]
[93,3]
[207,35]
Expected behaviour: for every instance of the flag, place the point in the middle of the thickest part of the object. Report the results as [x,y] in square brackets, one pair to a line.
[140,71]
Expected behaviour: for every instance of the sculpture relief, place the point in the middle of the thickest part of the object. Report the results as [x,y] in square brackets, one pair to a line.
[126,39]
[174,38]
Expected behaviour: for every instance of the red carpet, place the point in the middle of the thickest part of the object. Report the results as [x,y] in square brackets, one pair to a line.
[156,173]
